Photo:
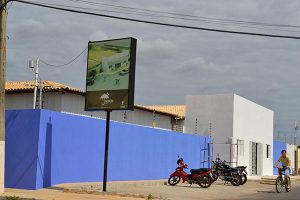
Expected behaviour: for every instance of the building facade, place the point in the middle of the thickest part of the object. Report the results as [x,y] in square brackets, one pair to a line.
[62,98]
[242,130]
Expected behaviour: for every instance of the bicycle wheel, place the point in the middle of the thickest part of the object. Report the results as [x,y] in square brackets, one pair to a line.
[279,184]
[287,184]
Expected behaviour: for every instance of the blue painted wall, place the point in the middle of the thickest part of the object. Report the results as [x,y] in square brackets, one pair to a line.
[22,134]
[277,148]
[71,149]
[61,148]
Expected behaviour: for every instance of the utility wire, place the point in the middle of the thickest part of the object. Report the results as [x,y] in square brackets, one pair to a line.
[62,65]
[159,23]
[163,16]
[186,15]
[148,12]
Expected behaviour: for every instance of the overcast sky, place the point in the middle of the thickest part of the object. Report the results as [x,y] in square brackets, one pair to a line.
[171,62]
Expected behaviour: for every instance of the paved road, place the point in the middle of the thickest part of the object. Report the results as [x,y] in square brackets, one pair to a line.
[251,190]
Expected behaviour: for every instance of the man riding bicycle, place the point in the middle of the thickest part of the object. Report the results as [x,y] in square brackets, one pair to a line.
[285,162]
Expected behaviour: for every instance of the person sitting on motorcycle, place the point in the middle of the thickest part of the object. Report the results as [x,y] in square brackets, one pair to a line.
[285,162]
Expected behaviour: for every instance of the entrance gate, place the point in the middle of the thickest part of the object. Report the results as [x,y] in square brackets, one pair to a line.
[254,158]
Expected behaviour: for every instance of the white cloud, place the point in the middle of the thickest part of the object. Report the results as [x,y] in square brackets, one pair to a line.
[171,62]
[98,35]
[157,48]
[198,65]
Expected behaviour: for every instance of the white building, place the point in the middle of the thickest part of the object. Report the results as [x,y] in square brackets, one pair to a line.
[112,63]
[62,98]
[242,130]
[292,152]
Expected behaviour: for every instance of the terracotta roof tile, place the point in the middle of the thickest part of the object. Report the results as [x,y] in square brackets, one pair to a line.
[28,86]
[175,110]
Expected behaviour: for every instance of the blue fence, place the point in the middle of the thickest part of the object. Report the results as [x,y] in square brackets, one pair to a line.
[44,148]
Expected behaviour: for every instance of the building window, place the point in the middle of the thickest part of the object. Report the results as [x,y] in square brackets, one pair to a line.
[240,147]
[269,151]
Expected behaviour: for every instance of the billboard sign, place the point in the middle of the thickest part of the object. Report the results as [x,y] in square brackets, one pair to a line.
[110,75]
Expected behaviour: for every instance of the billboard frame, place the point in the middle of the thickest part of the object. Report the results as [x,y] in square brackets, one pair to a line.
[131,81]
[130,93]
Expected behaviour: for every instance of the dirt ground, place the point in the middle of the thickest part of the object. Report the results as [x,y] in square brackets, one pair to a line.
[251,190]
[58,194]
[140,189]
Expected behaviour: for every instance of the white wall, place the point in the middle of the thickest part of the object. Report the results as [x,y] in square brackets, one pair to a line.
[253,123]
[216,110]
[52,101]
[73,103]
[235,117]
[290,149]
[19,101]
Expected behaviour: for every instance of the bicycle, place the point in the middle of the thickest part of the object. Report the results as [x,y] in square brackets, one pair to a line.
[283,180]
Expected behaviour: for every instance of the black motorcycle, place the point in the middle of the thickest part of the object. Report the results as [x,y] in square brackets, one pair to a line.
[243,173]
[242,170]
[226,173]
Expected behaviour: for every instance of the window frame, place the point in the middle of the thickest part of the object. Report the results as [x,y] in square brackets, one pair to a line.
[240,147]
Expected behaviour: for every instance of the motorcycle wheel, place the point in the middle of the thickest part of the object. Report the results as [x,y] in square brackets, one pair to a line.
[214,177]
[288,185]
[174,180]
[205,182]
[236,180]
[244,179]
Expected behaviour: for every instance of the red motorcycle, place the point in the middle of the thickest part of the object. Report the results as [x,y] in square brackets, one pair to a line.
[202,176]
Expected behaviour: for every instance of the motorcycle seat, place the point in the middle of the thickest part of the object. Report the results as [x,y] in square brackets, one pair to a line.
[199,171]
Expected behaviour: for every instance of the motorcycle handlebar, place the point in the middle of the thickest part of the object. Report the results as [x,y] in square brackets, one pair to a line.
[280,167]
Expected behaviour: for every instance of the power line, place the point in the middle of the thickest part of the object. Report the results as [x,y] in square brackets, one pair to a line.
[139,11]
[159,23]
[169,17]
[69,62]
[186,15]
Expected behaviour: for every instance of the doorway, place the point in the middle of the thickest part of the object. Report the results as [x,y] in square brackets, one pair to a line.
[254,158]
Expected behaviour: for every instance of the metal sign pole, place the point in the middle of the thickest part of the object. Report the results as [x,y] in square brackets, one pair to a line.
[106,149]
